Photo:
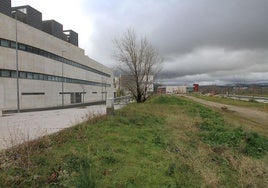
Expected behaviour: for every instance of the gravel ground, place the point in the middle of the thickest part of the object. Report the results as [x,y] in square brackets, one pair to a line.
[18,128]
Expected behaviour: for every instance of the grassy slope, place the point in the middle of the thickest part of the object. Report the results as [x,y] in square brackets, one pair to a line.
[167,142]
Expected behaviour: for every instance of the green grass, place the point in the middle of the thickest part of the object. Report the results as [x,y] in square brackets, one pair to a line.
[167,142]
[249,104]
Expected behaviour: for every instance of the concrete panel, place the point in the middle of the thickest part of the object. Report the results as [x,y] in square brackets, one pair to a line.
[1,95]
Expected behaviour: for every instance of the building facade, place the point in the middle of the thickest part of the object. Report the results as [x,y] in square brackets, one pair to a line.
[174,89]
[41,69]
[127,83]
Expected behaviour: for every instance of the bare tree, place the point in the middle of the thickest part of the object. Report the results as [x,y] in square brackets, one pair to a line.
[139,62]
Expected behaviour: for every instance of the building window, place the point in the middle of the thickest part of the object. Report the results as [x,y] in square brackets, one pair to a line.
[45,77]
[35,50]
[76,98]
[13,74]
[36,76]
[29,75]
[6,73]
[41,77]
[22,75]
[31,49]
[5,43]
[13,45]
[22,47]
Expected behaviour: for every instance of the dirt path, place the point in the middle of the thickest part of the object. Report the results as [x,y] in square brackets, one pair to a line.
[251,114]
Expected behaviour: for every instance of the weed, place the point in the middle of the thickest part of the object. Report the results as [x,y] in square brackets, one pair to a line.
[171,169]
[86,178]
[109,158]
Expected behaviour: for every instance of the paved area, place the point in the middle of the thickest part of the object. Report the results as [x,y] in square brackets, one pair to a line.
[18,128]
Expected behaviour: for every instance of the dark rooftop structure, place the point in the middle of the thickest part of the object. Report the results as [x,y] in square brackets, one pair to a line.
[33,17]
[5,7]
[71,37]
[54,28]
[28,15]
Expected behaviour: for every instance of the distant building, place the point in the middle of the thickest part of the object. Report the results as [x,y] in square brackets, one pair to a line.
[161,90]
[52,70]
[196,87]
[174,89]
[127,83]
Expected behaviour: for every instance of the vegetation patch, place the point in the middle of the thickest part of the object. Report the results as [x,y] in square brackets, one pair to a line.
[169,141]
[252,103]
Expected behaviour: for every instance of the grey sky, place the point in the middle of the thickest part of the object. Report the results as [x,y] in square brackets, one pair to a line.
[204,41]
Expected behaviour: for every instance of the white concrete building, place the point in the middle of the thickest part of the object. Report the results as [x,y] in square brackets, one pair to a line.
[176,89]
[52,71]
[127,83]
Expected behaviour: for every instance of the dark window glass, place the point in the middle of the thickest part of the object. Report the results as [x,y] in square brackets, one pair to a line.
[53,78]
[22,47]
[6,73]
[45,54]
[29,49]
[14,74]
[57,79]
[78,97]
[22,75]
[35,50]
[45,77]
[49,55]
[41,77]
[13,45]
[36,76]
[41,52]
[5,43]
[29,75]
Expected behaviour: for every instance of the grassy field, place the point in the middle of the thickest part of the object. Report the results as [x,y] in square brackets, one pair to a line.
[223,100]
[235,120]
[167,142]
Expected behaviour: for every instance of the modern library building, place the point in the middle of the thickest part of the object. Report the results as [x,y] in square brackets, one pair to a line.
[41,65]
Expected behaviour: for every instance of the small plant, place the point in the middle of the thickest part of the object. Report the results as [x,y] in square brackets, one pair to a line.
[109,159]
[86,178]
[171,169]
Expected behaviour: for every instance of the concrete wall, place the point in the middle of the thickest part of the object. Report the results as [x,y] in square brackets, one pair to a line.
[178,89]
[35,63]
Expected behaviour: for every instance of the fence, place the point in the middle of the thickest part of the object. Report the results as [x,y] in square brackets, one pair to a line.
[110,102]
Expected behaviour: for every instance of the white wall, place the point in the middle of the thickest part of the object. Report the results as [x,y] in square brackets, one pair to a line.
[36,63]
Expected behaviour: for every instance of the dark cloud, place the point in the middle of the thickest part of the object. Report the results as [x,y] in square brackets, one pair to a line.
[231,24]
[200,40]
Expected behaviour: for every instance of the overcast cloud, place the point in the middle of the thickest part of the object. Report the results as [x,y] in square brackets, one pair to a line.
[203,41]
